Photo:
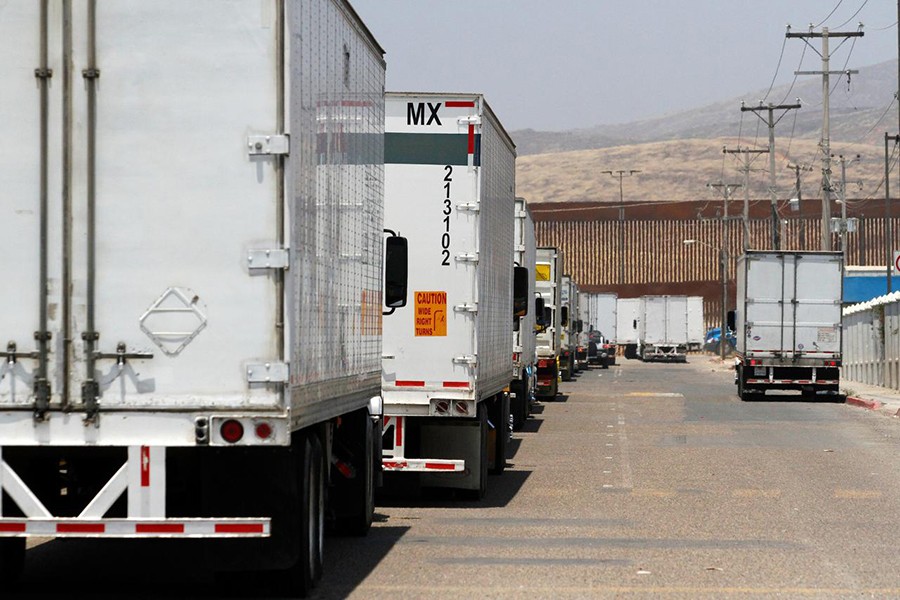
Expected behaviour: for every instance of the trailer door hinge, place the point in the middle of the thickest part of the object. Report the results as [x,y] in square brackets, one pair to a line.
[264,145]
[467,257]
[268,259]
[471,120]
[468,207]
[520,248]
[275,372]
[467,307]
[465,359]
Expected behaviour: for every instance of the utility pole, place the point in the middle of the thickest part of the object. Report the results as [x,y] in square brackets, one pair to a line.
[771,122]
[621,174]
[746,170]
[888,230]
[825,54]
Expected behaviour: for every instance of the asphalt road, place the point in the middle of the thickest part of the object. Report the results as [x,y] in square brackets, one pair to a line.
[641,481]
[654,480]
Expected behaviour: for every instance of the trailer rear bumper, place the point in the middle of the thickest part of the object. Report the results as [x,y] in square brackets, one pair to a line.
[141,481]
[135,528]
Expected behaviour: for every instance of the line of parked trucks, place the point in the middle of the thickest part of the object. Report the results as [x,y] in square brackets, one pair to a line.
[244,284]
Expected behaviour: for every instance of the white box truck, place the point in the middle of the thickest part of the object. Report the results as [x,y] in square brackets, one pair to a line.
[450,189]
[696,324]
[548,288]
[604,328]
[662,328]
[524,347]
[788,322]
[628,315]
[192,214]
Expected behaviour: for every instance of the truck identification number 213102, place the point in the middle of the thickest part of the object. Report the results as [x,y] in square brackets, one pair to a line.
[445,236]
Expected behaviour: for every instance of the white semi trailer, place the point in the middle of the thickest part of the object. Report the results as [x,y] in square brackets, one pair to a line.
[604,319]
[450,189]
[548,288]
[524,347]
[663,328]
[192,289]
[788,322]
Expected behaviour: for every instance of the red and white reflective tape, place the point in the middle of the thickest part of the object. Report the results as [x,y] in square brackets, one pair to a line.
[423,465]
[418,383]
[128,528]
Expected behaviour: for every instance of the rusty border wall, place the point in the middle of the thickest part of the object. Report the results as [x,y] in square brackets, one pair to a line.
[638,248]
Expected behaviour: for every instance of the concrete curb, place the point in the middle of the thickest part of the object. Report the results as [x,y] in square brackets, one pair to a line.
[864,403]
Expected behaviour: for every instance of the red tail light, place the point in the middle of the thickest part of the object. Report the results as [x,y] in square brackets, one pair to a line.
[232,431]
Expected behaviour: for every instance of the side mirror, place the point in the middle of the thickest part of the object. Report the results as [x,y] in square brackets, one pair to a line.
[579,325]
[539,311]
[396,272]
[729,319]
[520,291]
[564,316]
[634,324]
[548,316]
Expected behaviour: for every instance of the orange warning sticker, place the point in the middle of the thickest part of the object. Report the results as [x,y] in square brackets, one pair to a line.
[431,314]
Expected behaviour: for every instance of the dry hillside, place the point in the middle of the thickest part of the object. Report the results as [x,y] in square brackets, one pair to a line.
[680,170]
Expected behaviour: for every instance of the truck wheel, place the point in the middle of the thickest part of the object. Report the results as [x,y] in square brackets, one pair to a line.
[12,559]
[306,572]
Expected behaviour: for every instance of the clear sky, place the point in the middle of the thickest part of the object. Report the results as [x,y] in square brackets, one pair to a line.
[566,64]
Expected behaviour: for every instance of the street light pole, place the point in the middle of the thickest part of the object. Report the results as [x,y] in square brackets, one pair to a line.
[621,173]
[723,261]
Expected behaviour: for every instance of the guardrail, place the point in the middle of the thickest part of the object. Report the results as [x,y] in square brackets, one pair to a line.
[872,342]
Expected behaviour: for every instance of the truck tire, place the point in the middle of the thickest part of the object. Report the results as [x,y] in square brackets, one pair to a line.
[302,577]
[554,390]
[12,559]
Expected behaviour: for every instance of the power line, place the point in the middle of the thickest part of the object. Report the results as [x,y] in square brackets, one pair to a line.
[853,16]
[833,10]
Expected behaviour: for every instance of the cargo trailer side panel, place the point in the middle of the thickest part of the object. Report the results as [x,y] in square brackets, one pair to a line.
[495,247]
[336,201]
